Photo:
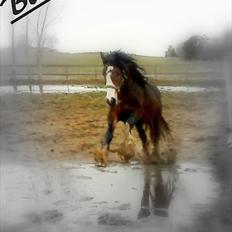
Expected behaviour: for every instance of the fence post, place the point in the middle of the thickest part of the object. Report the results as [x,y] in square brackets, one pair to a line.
[95,72]
[29,77]
[66,74]
[40,77]
[13,79]
[186,72]
[156,77]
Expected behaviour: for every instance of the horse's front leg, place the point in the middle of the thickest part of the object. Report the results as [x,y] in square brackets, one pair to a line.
[126,149]
[108,136]
[101,155]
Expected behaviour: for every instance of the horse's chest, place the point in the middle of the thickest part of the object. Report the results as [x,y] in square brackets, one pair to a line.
[124,115]
[124,112]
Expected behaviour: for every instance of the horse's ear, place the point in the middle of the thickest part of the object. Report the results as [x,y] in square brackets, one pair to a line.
[103,57]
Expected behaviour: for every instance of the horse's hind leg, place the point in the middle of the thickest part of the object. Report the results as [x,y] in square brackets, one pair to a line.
[143,138]
[126,149]
[155,137]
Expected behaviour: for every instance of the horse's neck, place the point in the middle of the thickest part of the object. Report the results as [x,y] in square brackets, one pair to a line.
[131,92]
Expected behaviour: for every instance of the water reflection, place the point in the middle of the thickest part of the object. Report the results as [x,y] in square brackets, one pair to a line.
[120,195]
[157,193]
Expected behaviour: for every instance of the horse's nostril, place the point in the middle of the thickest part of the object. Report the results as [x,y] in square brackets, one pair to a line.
[111,102]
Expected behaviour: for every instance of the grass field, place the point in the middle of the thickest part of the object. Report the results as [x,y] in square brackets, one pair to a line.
[82,67]
[151,64]
[93,58]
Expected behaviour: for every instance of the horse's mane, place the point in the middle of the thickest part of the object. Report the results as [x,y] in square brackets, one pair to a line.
[127,63]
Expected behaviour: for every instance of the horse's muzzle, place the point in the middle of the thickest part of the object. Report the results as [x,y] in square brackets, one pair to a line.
[111,102]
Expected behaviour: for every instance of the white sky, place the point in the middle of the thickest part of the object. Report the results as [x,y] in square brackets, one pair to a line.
[138,26]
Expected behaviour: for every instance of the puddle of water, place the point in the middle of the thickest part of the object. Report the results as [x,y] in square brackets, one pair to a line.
[187,89]
[84,89]
[50,89]
[85,198]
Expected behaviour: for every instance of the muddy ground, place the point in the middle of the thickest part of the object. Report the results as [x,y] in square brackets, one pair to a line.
[49,182]
[70,127]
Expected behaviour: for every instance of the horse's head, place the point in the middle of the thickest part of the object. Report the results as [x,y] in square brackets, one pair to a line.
[119,70]
[114,79]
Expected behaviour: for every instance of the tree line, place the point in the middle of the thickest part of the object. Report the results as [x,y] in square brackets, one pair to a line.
[201,47]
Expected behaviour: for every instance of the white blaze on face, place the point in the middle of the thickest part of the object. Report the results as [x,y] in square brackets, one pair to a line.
[110,92]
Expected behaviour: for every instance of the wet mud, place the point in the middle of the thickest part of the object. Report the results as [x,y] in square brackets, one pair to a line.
[49,181]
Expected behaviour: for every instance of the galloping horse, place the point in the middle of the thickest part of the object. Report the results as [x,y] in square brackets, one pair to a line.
[132,100]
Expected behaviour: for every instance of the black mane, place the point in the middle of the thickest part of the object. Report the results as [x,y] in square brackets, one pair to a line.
[127,64]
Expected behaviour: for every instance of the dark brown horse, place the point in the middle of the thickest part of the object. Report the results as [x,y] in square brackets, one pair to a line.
[157,192]
[133,100]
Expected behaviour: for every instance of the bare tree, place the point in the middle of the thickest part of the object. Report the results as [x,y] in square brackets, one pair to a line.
[27,51]
[40,30]
[13,64]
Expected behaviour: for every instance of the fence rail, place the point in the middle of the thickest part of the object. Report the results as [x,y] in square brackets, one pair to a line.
[28,74]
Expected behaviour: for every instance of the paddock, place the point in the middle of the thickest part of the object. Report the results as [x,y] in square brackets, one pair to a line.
[49,179]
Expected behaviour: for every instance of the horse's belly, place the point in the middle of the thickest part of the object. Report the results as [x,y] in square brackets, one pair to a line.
[123,116]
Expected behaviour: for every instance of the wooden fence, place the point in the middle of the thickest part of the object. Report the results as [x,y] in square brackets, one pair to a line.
[71,74]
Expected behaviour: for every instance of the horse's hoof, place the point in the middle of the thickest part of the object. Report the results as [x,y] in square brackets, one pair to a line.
[159,160]
[101,165]
[126,152]
[147,159]
[100,157]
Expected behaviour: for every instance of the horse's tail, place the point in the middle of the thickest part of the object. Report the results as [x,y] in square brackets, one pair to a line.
[159,129]
[164,128]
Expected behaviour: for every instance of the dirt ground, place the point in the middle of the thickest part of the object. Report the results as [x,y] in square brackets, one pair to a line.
[70,127]
[49,182]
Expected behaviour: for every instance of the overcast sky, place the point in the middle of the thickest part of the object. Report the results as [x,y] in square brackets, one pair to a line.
[137,26]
